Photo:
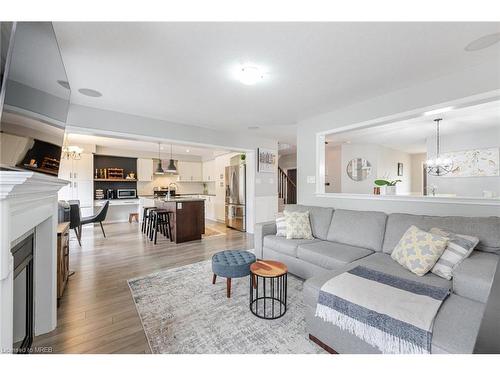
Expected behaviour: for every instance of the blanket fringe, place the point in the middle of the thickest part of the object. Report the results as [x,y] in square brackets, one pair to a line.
[385,342]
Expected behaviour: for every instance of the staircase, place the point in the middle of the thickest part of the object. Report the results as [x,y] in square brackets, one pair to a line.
[287,190]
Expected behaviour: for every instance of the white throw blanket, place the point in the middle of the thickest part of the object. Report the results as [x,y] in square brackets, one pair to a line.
[395,315]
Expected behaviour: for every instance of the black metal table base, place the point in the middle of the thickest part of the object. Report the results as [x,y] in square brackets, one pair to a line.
[268,296]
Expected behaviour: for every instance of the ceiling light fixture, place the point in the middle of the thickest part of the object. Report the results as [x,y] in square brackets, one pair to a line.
[438,111]
[253,127]
[483,42]
[187,150]
[72,152]
[171,164]
[64,84]
[159,170]
[249,74]
[90,92]
[438,166]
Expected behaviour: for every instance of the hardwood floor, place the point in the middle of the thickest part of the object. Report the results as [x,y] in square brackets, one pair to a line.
[97,313]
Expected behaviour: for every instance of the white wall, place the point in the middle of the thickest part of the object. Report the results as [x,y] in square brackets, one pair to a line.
[288,161]
[383,160]
[417,177]
[387,168]
[466,186]
[413,100]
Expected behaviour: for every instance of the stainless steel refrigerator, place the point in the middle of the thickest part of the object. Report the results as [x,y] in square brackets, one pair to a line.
[235,197]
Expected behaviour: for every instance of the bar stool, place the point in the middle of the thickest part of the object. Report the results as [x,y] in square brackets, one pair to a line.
[161,223]
[145,218]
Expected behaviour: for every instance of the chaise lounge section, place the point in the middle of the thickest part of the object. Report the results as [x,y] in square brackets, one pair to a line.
[344,239]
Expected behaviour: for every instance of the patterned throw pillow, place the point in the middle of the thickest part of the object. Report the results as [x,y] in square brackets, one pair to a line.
[298,225]
[419,251]
[281,226]
[459,247]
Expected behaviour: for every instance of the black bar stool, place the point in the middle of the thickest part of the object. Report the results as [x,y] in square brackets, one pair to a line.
[145,218]
[161,223]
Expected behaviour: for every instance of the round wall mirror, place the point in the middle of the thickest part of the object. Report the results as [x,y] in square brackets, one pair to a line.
[359,169]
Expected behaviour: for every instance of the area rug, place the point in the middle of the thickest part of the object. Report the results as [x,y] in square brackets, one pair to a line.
[209,232]
[182,312]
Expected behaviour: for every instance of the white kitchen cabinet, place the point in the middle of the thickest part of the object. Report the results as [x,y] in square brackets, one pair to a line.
[80,175]
[145,169]
[189,171]
[208,169]
[209,207]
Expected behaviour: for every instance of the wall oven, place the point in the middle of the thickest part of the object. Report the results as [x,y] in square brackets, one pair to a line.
[126,193]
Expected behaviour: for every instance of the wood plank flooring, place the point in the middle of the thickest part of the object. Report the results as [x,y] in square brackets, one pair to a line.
[97,313]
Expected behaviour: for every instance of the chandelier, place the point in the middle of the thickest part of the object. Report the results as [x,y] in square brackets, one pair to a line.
[72,152]
[438,166]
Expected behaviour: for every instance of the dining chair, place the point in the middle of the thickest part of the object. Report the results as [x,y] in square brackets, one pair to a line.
[99,217]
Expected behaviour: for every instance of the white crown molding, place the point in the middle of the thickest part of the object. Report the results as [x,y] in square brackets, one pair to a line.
[25,184]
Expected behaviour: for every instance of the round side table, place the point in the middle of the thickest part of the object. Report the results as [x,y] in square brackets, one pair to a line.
[268,289]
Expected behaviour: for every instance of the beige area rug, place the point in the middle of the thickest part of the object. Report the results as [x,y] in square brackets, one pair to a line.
[182,312]
[209,232]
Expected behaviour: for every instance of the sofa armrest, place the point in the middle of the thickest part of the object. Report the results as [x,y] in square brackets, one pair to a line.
[474,276]
[260,231]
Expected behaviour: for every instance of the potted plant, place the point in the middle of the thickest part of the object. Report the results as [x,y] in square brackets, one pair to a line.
[242,158]
[390,186]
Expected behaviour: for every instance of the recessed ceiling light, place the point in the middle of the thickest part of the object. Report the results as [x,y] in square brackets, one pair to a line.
[253,127]
[250,74]
[483,42]
[64,84]
[90,92]
[438,111]
[187,150]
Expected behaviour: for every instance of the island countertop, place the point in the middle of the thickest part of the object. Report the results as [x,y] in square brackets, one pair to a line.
[187,217]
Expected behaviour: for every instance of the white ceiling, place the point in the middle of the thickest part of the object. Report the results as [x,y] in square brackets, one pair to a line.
[410,135]
[183,71]
[140,147]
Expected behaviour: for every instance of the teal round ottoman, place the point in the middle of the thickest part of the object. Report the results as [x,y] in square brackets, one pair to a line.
[231,264]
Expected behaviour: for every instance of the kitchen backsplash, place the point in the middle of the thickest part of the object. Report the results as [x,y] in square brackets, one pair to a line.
[146,187]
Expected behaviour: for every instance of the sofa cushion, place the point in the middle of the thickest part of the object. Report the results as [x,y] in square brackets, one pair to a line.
[298,225]
[456,326]
[358,228]
[377,261]
[284,246]
[330,255]
[487,229]
[474,276]
[419,251]
[320,218]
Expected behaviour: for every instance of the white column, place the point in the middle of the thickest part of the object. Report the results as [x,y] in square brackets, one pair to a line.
[6,281]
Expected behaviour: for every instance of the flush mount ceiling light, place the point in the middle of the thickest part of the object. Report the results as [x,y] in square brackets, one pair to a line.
[64,84]
[438,111]
[253,127]
[249,74]
[90,92]
[483,42]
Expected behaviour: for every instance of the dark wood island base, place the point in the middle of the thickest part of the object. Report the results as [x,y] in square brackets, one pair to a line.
[187,218]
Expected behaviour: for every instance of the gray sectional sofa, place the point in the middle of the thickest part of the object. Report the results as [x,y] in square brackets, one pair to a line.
[344,239]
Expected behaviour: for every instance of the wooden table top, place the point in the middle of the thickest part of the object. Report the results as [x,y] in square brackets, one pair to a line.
[61,227]
[268,268]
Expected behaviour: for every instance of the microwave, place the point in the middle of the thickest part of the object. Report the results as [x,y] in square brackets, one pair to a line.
[126,193]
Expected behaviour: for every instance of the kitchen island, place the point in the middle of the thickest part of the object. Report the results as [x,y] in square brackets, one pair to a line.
[187,217]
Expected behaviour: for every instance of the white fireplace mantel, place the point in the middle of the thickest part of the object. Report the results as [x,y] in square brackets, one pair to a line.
[28,200]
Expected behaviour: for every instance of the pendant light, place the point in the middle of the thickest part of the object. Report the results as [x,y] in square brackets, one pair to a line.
[438,166]
[159,169]
[171,165]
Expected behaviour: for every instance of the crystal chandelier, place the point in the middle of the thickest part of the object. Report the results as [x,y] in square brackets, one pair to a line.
[438,166]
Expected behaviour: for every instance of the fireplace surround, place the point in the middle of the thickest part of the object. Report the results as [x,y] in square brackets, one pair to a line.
[28,204]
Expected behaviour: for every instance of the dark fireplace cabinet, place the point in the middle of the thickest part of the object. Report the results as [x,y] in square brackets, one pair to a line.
[23,261]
